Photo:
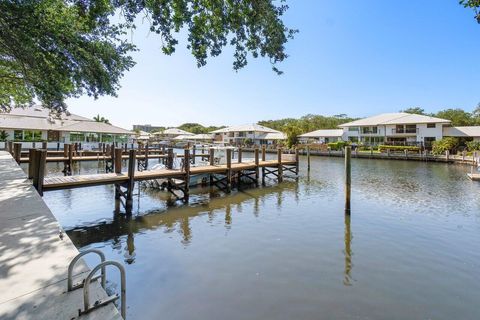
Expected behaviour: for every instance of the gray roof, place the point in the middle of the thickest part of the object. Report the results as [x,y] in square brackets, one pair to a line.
[472,131]
[323,133]
[272,136]
[245,127]
[38,118]
[394,118]
[173,131]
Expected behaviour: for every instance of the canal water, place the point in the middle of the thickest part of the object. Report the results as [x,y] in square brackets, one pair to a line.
[410,249]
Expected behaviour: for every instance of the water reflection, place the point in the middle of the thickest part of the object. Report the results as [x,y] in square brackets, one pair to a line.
[176,215]
[347,280]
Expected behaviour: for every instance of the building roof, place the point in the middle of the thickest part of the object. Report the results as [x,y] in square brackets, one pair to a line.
[202,136]
[245,127]
[471,131]
[38,118]
[272,136]
[93,126]
[174,131]
[394,118]
[323,133]
[183,137]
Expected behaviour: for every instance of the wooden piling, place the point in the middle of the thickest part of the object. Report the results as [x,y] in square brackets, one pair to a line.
[146,155]
[297,158]
[264,156]
[131,181]
[348,178]
[239,154]
[118,160]
[39,174]
[308,157]
[10,147]
[31,163]
[186,162]
[17,151]
[194,152]
[65,150]
[211,159]
[280,166]
[170,158]
[257,161]
[44,145]
[229,169]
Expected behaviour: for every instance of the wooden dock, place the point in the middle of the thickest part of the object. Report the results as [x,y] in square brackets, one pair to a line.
[177,180]
[35,257]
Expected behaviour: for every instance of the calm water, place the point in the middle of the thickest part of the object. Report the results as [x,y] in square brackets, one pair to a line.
[409,251]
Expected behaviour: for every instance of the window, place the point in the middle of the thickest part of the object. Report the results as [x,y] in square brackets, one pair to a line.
[431,125]
[32,135]
[77,137]
[411,128]
[369,130]
[352,128]
[93,137]
[18,135]
[121,138]
[107,137]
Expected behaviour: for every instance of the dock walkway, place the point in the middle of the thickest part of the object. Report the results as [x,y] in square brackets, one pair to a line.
[35,256]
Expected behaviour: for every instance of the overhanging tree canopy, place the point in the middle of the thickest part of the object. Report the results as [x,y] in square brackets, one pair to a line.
[54,49]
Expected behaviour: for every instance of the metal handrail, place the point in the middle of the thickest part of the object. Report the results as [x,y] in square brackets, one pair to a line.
[70,285]
[100,303]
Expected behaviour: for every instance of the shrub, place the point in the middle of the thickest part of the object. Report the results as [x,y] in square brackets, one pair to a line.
[473,145]
[448,143]
[339,145]
[383,148]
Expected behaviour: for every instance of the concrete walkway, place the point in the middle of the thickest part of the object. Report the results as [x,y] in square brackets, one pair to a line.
[35,254]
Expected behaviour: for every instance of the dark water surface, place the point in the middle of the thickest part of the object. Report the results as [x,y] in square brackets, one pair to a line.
[286,251]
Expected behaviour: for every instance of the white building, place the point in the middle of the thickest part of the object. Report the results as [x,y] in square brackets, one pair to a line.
[171,133]
[249,133]
[323,136]
[396,128]
[35,124]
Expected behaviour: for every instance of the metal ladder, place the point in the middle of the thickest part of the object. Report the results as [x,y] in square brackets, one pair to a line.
[85,284]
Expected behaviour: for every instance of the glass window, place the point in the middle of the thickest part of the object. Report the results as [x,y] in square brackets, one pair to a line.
[92,137]
[107,137]
[32,135]
[77,137]
[18,135]
[431,125]
[352,128]
[121,138]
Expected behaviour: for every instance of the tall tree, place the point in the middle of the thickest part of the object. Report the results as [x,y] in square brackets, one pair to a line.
[97,118]
[415,110]
[458,117]
[473,4]
[54,49]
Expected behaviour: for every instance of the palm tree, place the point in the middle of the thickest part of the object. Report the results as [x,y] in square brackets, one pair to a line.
[101,119]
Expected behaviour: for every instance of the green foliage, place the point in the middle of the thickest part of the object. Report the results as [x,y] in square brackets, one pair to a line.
[198,128]
[248,141]
[415,110]
[3,135]
[473,4]
[458,117]
[448,143]
[97,118]
[308,122]
[339,145]
[384,148]
[292,130]
[473,145]
[54,49]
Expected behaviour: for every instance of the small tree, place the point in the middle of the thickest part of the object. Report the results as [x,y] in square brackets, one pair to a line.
[3,135]
[292,131]
[449,143]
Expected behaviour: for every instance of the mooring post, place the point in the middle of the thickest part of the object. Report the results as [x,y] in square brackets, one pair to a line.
[70,155]
[17,151]
[257,162]
[229,169]
[58,146]
[117,169]
[131,181]
[264,157]
[65,150]
[280,166]
[348,177]
[31,161]
[39,174]
[240,154]
[297,161]
[308,157]
[447,155]
[211,159]
[146,155]
[44,145]
[10,147]
[194,152]
[186,166]
[170,158]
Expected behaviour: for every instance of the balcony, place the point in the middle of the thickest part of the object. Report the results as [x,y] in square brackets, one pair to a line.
[405,131]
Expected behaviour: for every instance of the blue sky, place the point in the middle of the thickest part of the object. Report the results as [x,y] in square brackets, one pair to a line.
[354,57]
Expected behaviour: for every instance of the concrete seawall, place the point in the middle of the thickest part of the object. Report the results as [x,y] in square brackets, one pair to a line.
[35,253]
